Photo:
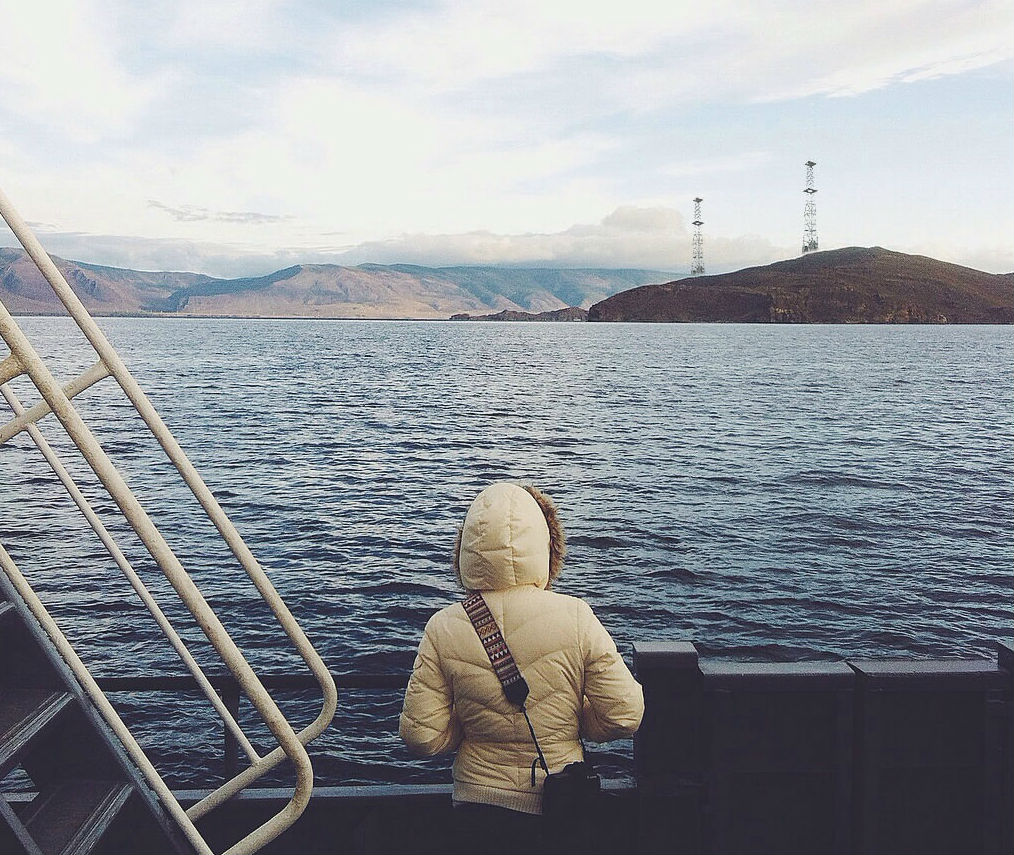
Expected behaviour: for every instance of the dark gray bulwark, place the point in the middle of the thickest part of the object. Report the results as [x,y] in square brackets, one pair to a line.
[864,756]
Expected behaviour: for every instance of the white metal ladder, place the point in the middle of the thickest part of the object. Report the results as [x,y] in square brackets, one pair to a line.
[24,360]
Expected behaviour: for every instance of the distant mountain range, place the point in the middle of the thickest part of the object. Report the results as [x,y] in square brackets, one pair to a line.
[315,290]
[854,285]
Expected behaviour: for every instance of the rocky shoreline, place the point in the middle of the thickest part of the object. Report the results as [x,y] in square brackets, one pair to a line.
[571,313]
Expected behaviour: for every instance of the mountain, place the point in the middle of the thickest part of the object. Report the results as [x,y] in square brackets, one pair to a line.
[853,285]
[315,290]
[24,291]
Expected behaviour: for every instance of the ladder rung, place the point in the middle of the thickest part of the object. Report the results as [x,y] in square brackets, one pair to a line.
[23,714]
[10,368]
[75,387]
[72,817]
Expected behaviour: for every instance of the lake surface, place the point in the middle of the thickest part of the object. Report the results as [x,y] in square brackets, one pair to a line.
[768,492]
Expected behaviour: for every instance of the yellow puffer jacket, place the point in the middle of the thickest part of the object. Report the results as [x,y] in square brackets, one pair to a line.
[579,684]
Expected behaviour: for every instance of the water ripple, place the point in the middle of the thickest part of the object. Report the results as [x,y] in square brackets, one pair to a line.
[770,493]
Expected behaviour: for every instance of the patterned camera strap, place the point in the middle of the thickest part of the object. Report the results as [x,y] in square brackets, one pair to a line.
[514,685]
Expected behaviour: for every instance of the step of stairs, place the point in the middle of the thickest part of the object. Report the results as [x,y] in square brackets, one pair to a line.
[71,817]
[72,778]
[24,713]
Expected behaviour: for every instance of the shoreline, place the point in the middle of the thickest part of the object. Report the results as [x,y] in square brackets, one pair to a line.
[460,321]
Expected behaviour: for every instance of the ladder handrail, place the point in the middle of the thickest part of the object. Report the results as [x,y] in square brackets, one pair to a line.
[290,744]
[97,696]
[128,571]
[114,364]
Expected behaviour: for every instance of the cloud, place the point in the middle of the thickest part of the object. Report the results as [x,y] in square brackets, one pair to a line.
[469,129]
[152,254]
[862,47]
[650,54]
[740,162]
[249,27]
[997,258]
[447,46]
[192,213]
[60,71]
[629,237]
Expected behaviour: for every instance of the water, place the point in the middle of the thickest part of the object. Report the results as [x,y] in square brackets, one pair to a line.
[769,492]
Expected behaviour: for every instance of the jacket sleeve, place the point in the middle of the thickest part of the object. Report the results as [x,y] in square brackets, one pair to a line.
[613,701]
[428,724]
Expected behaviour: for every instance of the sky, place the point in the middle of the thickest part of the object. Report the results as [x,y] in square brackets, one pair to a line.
[236,138]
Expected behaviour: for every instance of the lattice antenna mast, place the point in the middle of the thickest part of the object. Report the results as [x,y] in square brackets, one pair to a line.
[697,264]
[810,212]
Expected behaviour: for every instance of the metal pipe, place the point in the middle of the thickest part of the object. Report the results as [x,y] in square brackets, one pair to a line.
[179,459]
[291,744]
[76,386]
[170,565]
[10,368]
[231,725]
[66,650]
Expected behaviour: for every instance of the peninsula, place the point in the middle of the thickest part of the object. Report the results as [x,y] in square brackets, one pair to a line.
[853,285]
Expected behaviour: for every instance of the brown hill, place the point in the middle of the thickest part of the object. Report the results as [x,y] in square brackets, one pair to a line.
[103,290]
[325,290]
[315,290]
[854,285]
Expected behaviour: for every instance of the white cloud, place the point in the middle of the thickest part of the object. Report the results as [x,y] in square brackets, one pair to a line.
[860,47]
[995,258]
[647,238]
[629,237]
[367,164]
[59,71]
[451,129]
[248,27]
[657,53]
[452,44]
[722,163]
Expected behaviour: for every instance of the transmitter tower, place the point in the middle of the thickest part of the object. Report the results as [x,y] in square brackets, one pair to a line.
[810,212]
[697,264]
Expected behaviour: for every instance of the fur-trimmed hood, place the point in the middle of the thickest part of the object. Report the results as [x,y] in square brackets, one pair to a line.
[511,536]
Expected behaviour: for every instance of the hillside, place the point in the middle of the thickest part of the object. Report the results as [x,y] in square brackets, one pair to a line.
[315,290]
[104,290]
[854,285]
